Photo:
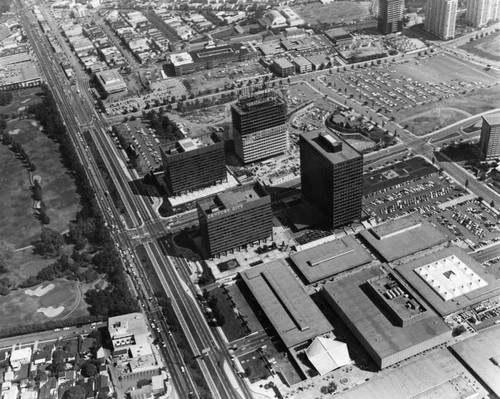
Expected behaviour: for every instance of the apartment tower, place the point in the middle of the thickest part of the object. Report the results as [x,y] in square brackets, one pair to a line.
[259,129]
[489,142]
[440,18]
[390,16]
[331,177]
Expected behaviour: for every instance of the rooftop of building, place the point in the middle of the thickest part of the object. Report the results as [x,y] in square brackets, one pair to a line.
[492,119]
[109,76]
[373,323]
[294,315]
[258,101]
[181,59]
[17,73]
[283,63]
[330,146]
[478,353]
[331,258]
[442,303]
[301,61]
[338,33]
[190,144]
[127,324]
[233,198]
[401,237]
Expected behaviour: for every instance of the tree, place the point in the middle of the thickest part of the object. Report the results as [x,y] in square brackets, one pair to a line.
[50,243]
[37,190]
[76,392]
[248,371]
[88,369]
[6,253]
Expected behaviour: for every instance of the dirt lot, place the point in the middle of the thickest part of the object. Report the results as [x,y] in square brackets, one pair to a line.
[339,11]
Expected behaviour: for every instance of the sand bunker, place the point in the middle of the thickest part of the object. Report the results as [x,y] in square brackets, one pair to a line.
[15,131]
[39,291]
[34,123]
[51,311]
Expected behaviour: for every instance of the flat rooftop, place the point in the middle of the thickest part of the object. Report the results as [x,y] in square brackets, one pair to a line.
[294,315]
[283,63]
[492,119]
[127,324]
[411,273]
[437,375]
[233,198]
[181,59]
[479,353]
[110,76]
[331,258]
[325,144]
[373,324]
[401,237]
[189,144]
[257,101]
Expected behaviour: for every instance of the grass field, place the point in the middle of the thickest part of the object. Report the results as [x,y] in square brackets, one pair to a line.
[443,68]
[339,11]
[19,225]
[18,308]
[59,191]
[487,47]
[25,264]
[21,98]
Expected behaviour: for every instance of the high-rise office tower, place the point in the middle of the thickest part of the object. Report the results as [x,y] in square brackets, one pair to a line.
[192,164]
[331,176]
[259,126]
[440,18]
[489,143]
[235,218]
[390,16]
[478,12]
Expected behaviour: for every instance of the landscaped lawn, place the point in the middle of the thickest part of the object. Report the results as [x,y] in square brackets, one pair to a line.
[20,226]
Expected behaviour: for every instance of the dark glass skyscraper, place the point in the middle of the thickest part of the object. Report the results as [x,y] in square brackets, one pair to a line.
[259,126]
[331,177]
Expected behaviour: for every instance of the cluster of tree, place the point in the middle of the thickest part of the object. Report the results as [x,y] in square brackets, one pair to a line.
[207,276]
[329,389]
[4,6]
[5,96]
[115,299]
[89,226]
[161,123]
[207,102]
[36,188]
[18,149]
[74,268]
[213,304]
[8,331]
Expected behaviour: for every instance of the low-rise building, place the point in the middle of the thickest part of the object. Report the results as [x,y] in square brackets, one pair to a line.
[111,81]
[282,67]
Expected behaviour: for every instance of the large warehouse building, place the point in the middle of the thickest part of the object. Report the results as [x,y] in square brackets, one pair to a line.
[387,317]
[401,237]
[235,218]
[331,258]
[450,280]
[293,314]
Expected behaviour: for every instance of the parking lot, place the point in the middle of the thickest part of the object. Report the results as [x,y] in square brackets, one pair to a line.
[143,141]
[470,221]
